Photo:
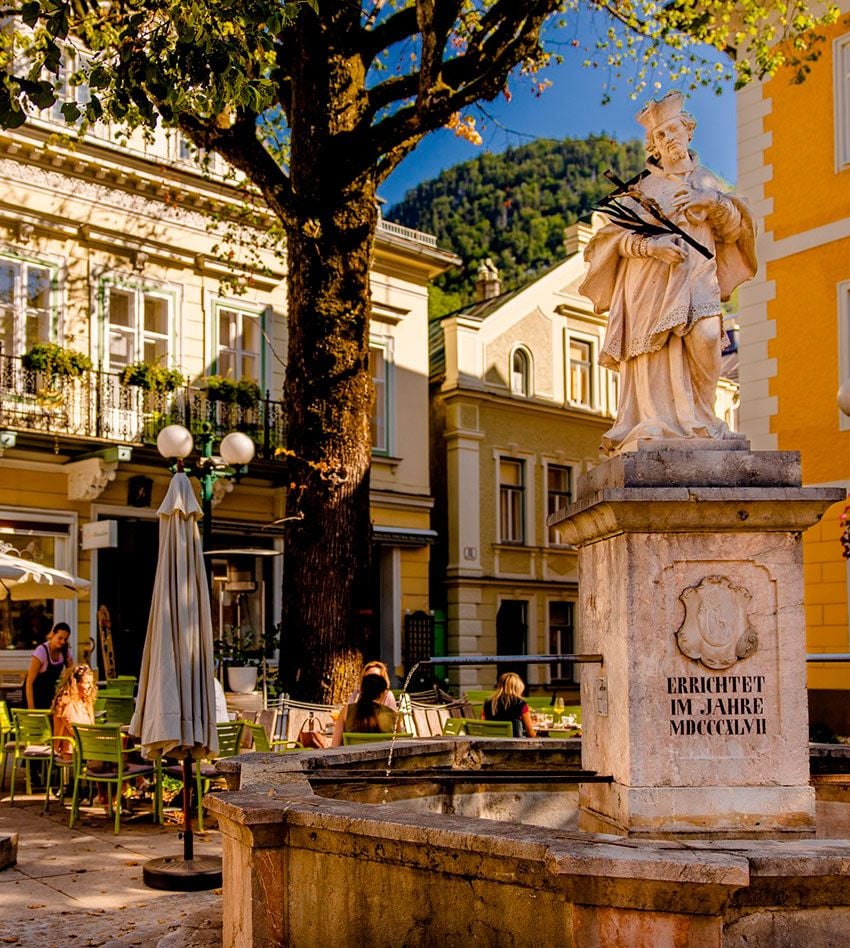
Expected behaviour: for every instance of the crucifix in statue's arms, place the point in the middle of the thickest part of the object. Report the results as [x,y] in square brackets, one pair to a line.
[622,215]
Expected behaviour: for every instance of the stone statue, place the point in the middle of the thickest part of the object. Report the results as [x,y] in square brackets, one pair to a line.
[663,295]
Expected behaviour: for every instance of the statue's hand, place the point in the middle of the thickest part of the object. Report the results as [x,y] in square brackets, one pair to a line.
[696,204]
[667,249]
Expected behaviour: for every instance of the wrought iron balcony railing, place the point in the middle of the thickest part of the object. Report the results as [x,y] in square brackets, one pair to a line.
[97,405]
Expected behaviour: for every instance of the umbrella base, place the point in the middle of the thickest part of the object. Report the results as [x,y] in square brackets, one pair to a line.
[176,874]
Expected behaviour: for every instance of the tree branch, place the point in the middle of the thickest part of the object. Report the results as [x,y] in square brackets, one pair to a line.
[241,148]
[394,29]
[480,73]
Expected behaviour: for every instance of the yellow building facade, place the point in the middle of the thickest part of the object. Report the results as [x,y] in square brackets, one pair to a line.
[108,249]
[794,166]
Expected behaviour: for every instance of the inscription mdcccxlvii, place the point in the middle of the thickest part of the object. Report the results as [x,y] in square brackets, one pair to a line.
[722,705]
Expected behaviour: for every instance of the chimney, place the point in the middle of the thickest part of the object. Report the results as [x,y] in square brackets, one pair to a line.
[577,236]
[488,285]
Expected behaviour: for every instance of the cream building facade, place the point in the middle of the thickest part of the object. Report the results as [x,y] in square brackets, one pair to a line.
[518,409]
[107,248]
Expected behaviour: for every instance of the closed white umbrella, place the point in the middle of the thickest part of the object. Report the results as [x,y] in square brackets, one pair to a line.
[175,707]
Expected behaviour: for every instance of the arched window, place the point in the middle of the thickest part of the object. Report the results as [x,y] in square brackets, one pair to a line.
[521,372]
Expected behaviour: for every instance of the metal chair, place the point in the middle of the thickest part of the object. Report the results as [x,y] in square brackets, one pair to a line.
[353,737]
[263,745]
[33,742]
[229,740]
[7,733]
[104,743]
[489,728]
[454,727]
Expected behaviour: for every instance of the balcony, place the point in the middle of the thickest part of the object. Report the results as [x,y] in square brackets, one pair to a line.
[97,406]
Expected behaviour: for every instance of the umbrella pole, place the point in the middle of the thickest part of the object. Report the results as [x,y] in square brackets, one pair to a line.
[188,836]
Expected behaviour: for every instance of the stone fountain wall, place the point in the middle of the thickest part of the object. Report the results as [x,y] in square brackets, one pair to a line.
[307,870]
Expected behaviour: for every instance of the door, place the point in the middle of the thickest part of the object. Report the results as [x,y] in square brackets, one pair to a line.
[125,577]
[512,635]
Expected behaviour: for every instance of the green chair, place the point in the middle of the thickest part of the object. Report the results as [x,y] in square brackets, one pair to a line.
[490,728]
[104,743]
[351,737]
[33,742]
[229,745]
[7,734]
[454,726]
[263,745]
[118,708]
[124,685]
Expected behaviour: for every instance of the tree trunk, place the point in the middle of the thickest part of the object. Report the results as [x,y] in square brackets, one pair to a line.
[328,384]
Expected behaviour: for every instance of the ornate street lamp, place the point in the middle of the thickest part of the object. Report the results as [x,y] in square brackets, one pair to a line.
[236,451]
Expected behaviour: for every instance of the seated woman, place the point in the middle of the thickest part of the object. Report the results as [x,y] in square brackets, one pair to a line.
[369,714]
[507,704]
[73,704]
[377,668]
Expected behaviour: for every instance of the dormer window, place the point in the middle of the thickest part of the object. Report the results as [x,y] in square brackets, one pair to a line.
[521,372]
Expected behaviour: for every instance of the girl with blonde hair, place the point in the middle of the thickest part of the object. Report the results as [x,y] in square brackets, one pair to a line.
[73,704]
[508,704]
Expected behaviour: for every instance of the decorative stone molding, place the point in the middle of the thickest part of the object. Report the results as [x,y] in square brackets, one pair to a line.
[221,488]
[88,479]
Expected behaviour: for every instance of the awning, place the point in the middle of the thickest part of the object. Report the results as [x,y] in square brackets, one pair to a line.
[403,536]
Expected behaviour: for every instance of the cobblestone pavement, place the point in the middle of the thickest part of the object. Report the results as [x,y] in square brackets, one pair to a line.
[83,887]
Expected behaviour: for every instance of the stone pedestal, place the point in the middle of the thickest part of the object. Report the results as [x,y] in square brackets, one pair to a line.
[691,584]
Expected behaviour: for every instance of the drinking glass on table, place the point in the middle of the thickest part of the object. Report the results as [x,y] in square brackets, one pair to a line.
[559,708]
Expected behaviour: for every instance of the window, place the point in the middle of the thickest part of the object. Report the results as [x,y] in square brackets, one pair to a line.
[138,326]
[559,493]
[380,408]
[71,65]
[841,55]
[581,368]
[239,344]
[561,640]
[511,501]
[25,624]
[521,372]
[25,304]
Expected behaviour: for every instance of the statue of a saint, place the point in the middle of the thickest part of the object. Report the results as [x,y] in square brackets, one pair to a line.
[663,295]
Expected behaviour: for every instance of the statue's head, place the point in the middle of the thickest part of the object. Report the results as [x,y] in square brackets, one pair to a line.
[666,120]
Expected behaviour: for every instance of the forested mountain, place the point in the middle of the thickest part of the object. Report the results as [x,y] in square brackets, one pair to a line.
[512,207]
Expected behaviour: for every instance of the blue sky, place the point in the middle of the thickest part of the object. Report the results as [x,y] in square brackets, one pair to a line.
[570,108]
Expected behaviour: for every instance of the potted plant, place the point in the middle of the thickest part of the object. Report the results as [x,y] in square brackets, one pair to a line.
[55,361]
[248,393]
[152,378]
[220,389]
[238,651]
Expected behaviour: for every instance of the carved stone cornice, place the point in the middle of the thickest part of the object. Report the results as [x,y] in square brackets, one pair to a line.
[88,479]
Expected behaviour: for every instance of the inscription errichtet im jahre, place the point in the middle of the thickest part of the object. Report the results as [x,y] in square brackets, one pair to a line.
[722,705]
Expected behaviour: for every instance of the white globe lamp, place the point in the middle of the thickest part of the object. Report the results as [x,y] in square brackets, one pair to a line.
[175,441]
[236,448]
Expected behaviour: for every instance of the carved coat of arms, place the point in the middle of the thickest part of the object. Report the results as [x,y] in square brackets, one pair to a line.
[716,630]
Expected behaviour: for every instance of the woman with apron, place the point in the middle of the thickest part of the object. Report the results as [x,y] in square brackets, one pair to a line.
[46,666]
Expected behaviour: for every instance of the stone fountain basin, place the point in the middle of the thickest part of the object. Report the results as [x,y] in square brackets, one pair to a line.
[431,862]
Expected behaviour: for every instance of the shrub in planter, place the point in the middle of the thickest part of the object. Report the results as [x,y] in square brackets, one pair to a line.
[152,378]
[248,393]
[220,389]
[56,360]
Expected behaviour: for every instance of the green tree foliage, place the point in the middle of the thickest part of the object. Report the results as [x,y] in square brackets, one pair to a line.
[315,102]
[512,207]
